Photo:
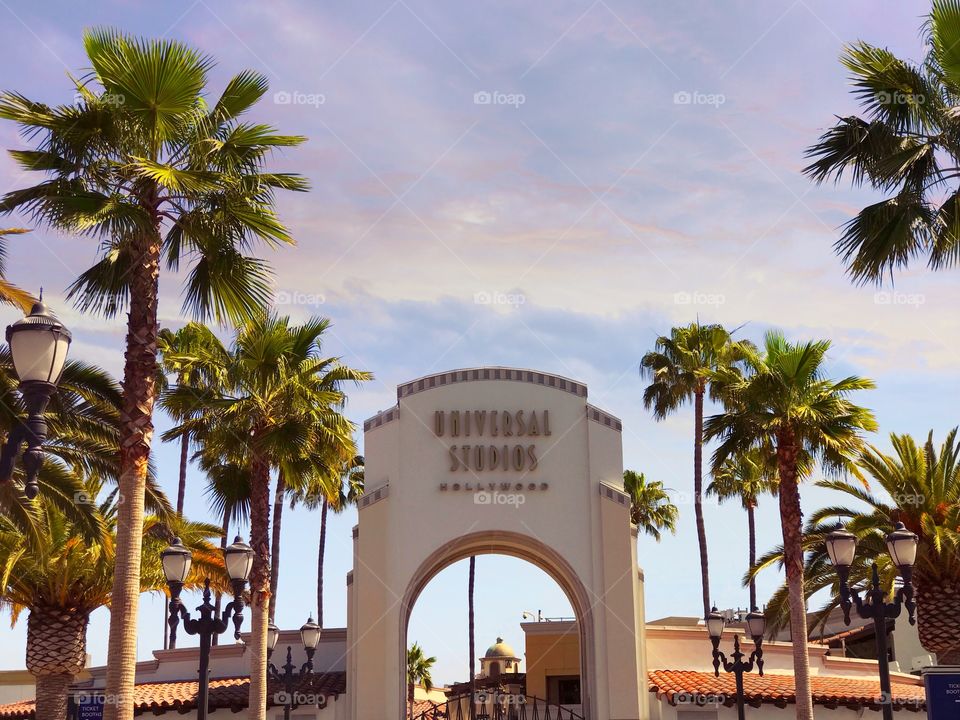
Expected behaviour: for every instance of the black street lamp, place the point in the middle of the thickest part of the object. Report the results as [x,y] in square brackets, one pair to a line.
[38,345]
[756,627]
[176,560]
[310,637]
[902,546]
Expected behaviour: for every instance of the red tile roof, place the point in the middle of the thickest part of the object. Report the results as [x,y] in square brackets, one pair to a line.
[422,706]
[181,697]
[681,687]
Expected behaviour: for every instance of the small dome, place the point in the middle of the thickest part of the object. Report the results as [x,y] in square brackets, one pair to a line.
[500,650]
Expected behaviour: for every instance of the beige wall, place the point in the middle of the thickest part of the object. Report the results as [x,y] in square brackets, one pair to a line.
[552,648]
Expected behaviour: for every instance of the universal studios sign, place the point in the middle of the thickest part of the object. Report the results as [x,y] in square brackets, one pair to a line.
[492,441]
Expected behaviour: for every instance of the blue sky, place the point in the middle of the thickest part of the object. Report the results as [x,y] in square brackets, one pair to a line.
[600,169]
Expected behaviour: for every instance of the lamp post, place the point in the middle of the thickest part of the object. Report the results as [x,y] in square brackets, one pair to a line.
[310,637]
[902,547]
[756,627]
[38,345]
[176,560]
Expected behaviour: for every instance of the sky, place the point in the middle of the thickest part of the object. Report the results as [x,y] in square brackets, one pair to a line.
[548,185]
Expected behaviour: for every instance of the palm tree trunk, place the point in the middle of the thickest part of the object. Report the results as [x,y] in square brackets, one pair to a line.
[278,498]
[324,508]
[53,693]
[218,603]
[791,520]
[698,499]
[471,627]
[184,459]
[136,434]
[259,585]
[56,651]
[752,539]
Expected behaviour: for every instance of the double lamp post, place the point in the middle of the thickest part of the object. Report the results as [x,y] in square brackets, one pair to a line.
[291,679]
[902,548]
[177,560]
[756,626]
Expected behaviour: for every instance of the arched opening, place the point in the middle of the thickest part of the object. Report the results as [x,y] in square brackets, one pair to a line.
[572,688]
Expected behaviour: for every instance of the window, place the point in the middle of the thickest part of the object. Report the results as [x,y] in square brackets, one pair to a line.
[563,689]
[494,669]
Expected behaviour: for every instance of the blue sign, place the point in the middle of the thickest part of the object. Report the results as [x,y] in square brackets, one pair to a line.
[88,707]
[943,694]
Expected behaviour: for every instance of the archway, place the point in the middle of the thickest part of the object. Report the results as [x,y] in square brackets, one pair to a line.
[495,460]
[525,548]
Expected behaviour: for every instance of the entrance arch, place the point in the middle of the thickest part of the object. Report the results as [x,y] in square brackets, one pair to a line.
[505,461]
[519,546]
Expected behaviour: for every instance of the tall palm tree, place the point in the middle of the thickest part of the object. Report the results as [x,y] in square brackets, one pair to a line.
[471,626]
[159,173]
[650,506]
[784,400]
[679,369]
[746,477]
[10,294]
[920,486]
[905,144]
[418,672]
[347,489]
[177,349]
[61,577]
[281,400]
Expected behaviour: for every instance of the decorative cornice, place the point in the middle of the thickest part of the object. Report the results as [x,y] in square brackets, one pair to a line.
[604,418]
[381,418]
[373,496]
[451,377]
[615,494]
[350,578]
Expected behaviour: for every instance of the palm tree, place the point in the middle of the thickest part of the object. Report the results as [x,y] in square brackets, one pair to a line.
[784,401]
[347,490]
[650,506]
[921,489]
[177,351]
[418,671]
[66,573]
[679,370]
[10,294]
[905,144]
[746,477]
[471,627]
[143,161]
[280,402]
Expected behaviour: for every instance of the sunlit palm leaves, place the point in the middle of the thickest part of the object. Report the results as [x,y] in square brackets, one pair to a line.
[906,144]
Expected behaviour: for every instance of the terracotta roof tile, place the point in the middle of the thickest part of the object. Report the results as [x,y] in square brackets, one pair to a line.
[182,696]
[692,687]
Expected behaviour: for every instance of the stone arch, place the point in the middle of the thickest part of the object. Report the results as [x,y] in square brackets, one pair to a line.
[520,546]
